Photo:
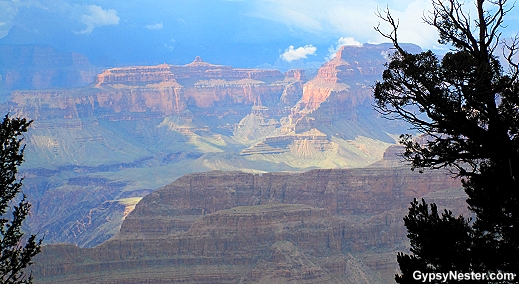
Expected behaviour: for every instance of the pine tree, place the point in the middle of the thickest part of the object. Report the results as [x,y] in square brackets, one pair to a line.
[467,106]
[16,251]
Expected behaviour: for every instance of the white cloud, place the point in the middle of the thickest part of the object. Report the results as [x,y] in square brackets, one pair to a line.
[292,53]
[348,41]
[157,26]
[95,16]
[412,27]
[343,41]
[331,18]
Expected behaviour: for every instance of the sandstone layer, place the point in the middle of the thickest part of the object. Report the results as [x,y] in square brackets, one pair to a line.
[166,89]
[342,91]
[337,102]
[322,226]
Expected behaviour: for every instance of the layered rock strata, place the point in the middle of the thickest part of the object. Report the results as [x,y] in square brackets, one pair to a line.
[323,226]
[336,102]
[342,88]
[165,90]
[141,127]
[309,141]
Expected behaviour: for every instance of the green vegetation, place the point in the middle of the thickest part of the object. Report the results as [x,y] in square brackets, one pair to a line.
[468,108]
[16,251]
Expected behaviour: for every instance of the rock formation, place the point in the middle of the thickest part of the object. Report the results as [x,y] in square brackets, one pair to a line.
[167,89]
[322,226]
[342,86]
[345,77]
[337,102]
[141,127]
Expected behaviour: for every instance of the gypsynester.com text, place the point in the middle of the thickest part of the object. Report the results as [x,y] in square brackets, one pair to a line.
[429,277]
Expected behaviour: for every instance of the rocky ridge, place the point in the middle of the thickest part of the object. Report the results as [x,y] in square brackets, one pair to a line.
[322,226]
[165,90]
[342,87]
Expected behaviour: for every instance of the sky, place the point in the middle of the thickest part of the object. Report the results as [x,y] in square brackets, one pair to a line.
[241,33]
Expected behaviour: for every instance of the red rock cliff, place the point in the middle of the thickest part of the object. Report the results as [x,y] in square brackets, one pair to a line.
[167,89]
[334,77]
[342,86]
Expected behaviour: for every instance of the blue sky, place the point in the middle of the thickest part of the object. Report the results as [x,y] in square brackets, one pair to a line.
[241,33]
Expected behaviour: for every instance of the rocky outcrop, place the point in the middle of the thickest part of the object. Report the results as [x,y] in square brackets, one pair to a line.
[303,144]
[196,70]
[339,78]
[323,226]
[335,103]
[139,75]
[168,89]
[393,157]
[342,89]
[340,192]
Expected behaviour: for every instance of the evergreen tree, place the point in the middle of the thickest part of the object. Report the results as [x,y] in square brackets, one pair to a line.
[467,105]
[16,251]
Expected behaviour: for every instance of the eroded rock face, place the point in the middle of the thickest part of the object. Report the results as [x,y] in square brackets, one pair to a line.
[165,90]
[323,226]
[339,78]
[342,192]
[138,75]
[335,103]
[178,118]
[168,120]
[341,86]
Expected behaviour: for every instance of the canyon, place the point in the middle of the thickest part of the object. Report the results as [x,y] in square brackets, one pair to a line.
[166,90]
[321,226]
[205,173]
[133,129]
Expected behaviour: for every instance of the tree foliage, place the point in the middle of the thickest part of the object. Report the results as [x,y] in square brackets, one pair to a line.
[16,251]
[443,252]
[467,105]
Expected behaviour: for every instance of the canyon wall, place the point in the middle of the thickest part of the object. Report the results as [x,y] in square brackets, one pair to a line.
[138,128]
[322,226]
[342,89]
[337,102]
[166,90]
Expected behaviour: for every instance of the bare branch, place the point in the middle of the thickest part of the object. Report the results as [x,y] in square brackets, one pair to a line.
[512,48]
[448,20]
[387,17]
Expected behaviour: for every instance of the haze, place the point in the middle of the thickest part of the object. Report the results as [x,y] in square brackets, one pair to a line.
[256,33]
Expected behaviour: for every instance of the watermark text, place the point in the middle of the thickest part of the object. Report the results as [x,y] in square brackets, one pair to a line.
[429,277]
